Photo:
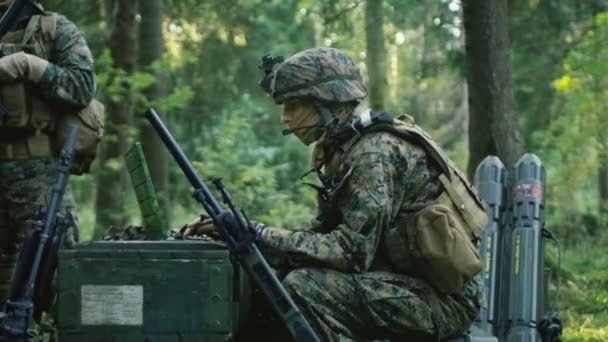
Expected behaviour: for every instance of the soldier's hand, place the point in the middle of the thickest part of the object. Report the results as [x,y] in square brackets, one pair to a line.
[22,66]
[201,226]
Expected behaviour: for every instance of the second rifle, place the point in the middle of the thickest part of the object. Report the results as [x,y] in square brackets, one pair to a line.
[239,237]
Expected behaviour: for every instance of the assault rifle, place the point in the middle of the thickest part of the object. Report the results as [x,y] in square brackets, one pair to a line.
[9,18]
[235,229]
[32,289]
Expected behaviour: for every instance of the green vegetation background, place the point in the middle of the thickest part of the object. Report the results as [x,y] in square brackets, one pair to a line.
[216,110]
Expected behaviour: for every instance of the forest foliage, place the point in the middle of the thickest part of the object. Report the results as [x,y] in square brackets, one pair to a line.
[212,103]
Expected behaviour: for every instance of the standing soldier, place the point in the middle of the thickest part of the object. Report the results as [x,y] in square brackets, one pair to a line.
[393,254]
[46,68]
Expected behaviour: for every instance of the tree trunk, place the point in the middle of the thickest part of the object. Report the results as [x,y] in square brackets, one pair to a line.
[603,186]
[493,125]
[376,53]
[110,204]
[151,47]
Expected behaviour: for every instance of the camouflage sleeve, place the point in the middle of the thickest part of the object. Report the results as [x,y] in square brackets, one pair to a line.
[70,76]
[365,202]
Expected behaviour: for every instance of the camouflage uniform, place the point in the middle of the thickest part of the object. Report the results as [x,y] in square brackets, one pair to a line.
[343,280]
[25,184]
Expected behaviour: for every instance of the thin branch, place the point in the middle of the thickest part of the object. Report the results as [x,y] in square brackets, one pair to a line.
[345,10]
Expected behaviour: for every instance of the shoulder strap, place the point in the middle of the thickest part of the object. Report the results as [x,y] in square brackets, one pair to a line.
[408,131]
[404,127]
[46,23]
[31,28]
[451,172]
[416,133]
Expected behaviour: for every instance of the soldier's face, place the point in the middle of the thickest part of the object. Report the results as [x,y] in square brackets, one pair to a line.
[301,116]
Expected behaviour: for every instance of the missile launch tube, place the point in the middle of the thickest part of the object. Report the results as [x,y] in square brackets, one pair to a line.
[491,182]
[526,298]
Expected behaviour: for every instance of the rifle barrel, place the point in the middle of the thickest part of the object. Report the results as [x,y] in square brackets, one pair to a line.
[65,163]
[10,16]
[211,204]
[21,307]
[249,256]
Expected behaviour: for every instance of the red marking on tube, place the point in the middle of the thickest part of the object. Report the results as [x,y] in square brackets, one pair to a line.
[532,190]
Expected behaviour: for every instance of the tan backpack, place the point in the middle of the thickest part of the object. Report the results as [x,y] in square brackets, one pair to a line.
[437,242]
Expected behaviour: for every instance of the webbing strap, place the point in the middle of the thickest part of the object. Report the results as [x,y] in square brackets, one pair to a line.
[411,131]
[48,26]
[451,178]
[460,204]
[30,29]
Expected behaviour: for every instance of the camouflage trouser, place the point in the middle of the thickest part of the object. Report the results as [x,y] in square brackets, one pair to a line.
[380,305]
[24,187]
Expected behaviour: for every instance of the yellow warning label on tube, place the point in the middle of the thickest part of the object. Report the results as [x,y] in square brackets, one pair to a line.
[517,252]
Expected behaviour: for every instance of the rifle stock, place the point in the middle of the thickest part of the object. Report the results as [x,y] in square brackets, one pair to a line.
[235,230]
[31,288]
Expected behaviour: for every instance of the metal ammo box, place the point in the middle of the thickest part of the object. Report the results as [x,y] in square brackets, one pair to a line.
[149,291]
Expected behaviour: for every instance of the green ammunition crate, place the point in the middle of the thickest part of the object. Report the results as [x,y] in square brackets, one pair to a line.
[149,291]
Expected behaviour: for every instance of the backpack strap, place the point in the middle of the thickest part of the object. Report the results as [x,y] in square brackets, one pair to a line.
[48,25]
[460,191]
[458,188]
[416,133]
[45,23]
[462,206]
[402,126]
[32,26]
[40,34]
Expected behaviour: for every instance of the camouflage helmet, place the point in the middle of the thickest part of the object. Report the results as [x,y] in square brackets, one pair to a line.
[325,74]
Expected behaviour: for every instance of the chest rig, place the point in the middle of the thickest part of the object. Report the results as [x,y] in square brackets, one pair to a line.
[25,119]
